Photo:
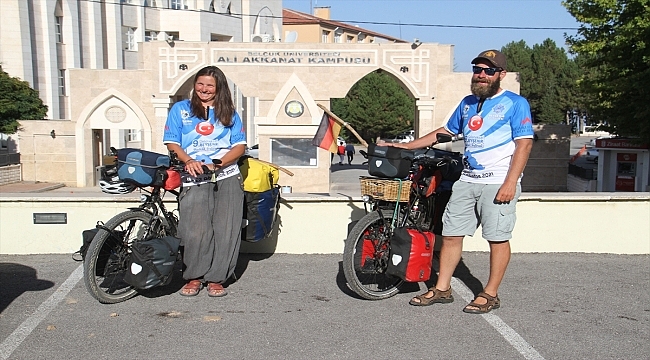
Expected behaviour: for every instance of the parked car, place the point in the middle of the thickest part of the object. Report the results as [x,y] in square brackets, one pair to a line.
[410,134]
[400,139]
[592,155]
[592,142]
[253,151]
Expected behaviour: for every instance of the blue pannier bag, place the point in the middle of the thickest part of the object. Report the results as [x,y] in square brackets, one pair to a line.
[260,212]
[141,167]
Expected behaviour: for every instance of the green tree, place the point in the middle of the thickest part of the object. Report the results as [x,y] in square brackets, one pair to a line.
[376,106]
[18,101]
[519,56]
[613,42]
[547,77]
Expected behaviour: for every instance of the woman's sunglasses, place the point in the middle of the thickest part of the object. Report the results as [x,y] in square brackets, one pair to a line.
[489,71]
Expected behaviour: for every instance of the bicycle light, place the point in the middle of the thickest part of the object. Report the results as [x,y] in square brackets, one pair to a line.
[367,199]
[144,198]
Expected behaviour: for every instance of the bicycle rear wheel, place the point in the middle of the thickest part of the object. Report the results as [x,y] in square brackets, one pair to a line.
[365,258]
[107,257]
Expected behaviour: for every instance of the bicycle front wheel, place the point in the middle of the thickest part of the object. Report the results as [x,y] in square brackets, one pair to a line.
[365,258]
[106,261]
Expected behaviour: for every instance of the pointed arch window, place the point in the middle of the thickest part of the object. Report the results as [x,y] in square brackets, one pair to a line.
[58,22]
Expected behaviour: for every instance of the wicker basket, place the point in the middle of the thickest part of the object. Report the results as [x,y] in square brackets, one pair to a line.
[388,190]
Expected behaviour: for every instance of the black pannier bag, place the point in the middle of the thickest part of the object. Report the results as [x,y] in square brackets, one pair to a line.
[141,167]
[106,258]
[260,212]
[151,262]
[450,170]
[388,162]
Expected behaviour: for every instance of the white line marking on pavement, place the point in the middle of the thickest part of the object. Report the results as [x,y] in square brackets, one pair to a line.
[16,338]
[506,331]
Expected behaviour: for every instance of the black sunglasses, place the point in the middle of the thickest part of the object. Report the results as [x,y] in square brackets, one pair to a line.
[489,71]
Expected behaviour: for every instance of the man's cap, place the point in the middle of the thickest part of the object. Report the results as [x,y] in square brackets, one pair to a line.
[494,57]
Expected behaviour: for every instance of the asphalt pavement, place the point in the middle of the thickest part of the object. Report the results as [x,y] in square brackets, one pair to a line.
[554,306]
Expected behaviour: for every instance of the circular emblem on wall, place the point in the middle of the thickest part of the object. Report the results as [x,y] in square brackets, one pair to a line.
[294,108]
[115,114]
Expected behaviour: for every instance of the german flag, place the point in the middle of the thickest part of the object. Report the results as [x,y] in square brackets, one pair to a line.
[328,132]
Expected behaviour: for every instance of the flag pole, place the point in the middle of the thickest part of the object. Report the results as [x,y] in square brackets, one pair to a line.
[347,126]
[276,166]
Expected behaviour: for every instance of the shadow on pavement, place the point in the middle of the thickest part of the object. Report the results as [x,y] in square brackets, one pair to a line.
[336,167]
[177,281]
[15,279]
[462,273]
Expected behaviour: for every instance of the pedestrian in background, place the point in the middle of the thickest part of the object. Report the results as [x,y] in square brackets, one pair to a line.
[341,152]
[349,150]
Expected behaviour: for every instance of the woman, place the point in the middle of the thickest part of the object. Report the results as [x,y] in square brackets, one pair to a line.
[201,129]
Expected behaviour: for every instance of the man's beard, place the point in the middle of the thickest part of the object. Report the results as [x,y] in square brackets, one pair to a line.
[484,92]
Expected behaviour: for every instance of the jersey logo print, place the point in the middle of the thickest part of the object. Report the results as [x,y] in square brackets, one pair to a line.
[204,128]
[475,122]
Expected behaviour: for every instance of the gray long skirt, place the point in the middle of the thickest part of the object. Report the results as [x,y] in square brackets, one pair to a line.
[210,229]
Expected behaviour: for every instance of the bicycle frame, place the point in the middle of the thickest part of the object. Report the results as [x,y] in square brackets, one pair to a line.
[153,204]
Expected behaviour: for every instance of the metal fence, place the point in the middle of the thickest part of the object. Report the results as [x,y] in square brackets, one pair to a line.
[9,158]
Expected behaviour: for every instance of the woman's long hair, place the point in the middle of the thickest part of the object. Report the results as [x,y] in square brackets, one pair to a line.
[224,108]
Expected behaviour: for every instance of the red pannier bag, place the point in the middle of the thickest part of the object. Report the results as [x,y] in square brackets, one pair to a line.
[411,254]
[368,253]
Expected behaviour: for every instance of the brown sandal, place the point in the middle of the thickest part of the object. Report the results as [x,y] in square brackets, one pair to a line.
[216,290]
[492,303]
[438,296]
[192,288]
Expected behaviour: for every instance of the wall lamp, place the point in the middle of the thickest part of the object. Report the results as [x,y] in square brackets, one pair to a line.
[416,43]
[52,134]
[169,39]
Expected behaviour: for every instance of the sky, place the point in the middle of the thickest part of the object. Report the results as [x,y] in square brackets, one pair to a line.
[417,16]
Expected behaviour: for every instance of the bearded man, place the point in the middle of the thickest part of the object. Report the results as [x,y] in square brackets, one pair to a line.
[498,136]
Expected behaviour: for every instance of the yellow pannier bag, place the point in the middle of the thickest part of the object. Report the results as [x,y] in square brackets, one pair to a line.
[258,176]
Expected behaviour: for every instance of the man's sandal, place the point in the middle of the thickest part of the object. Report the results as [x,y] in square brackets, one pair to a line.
[192,288]
[492,303]
[438,296]
[216,290]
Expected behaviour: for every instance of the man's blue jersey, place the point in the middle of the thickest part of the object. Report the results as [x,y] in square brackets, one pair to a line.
[489,134]
[202,139]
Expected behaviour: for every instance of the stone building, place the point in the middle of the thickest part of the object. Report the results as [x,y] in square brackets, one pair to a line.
[111,70]
[48,38]
[273,74]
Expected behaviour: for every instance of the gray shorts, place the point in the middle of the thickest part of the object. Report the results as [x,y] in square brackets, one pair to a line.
[472,205]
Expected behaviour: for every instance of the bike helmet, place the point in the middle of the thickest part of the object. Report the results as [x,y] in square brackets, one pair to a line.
[110,183]
[116,188]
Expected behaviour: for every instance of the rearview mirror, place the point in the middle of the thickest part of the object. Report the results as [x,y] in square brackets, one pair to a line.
[442,138]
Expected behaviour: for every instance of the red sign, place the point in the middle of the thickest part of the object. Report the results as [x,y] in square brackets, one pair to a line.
[619,144]
[624,183]
[631,157]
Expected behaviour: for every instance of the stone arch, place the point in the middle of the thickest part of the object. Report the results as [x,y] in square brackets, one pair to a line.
[293,82]
[400,77]
[83,148]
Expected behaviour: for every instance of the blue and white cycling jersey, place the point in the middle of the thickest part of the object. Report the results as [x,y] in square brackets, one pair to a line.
[490,134]
[201,139]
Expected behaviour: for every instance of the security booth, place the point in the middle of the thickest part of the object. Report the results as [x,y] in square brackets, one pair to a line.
[622,165]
